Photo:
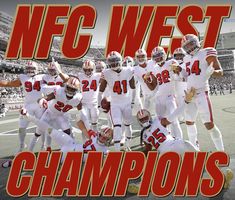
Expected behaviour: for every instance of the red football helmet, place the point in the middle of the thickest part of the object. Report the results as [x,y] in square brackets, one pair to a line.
[190,43]
[141,56]
[158,55]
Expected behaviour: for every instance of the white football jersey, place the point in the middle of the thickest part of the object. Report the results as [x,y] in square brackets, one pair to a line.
[91,145]
[31,87]
[196,67]
[89,87]
[157,135]
[140,72]
[118,83]
[165,78]
[61,104]
[180,81]
[50,83]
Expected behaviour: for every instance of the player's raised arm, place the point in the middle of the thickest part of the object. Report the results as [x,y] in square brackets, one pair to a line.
[63,76]
[14,83]
[214,66]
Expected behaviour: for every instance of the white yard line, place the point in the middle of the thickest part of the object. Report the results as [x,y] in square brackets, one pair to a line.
[8,121]
[15,130]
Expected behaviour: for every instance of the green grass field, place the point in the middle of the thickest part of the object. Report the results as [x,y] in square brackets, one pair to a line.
[224,116]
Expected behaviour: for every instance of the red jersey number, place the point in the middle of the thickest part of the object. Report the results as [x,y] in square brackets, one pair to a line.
[163,77]
[86,88]
[62,108]
[29,86]
[88,143]
[156,138]
[120,87]
[194,69]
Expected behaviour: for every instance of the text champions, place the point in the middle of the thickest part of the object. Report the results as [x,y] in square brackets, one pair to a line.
[161,175]
[130,27]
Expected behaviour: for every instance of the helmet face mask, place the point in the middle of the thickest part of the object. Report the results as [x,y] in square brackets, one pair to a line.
[88,72]
[88,67]
[114,61]
[158,55]
[105,136]
[31,68]
[128,62]
[141,56]
[52,70]
[72,87]
[144,118]
[190,43]
[100,66]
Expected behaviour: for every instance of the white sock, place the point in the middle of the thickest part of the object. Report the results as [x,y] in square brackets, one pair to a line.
[43,138]
[192,134]
[33,142]
[94,127]
[216,137]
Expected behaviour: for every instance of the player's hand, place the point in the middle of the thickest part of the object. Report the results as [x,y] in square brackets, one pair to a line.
[91,133]
[23,111]
[148,77]
[57,66]
[43,103]
[189,95]
[175,68]
[102,109]
[165,122]
[210,70]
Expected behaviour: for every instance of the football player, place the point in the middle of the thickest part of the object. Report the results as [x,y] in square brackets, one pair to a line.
[143,71]
[100,66]
[32,88]
[165,97]
[180,82]
[58,104]
[120,82]
[50,81]
[89,80]
[201,63]
[129,62]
